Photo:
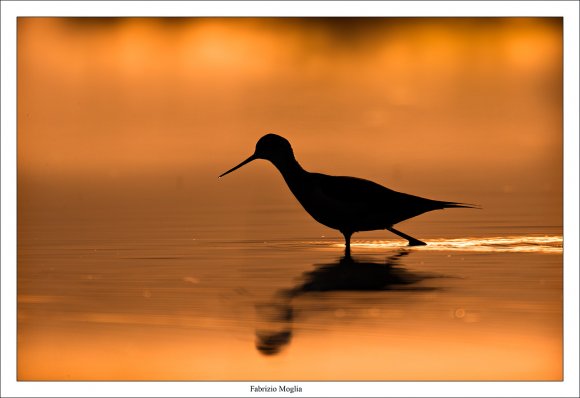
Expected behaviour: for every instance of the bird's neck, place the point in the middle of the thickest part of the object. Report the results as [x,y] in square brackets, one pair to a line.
[298,180]
[290,170]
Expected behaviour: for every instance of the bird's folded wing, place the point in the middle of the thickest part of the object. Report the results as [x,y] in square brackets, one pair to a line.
[358,191]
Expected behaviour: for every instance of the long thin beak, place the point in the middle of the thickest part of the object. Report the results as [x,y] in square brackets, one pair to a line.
[248,160]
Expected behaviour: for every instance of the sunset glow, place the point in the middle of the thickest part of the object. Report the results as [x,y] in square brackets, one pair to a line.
[136,263]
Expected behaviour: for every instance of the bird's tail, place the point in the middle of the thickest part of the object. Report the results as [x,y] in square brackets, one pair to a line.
[452,205]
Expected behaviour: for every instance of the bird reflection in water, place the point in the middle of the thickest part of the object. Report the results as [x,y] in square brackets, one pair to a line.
[276,317]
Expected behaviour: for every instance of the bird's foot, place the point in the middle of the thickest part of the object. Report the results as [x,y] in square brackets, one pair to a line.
[416,242]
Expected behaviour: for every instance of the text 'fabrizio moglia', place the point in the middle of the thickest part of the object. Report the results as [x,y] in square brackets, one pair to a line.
[294,388]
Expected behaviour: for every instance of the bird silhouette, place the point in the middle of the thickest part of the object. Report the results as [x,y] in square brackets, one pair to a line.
[347,204]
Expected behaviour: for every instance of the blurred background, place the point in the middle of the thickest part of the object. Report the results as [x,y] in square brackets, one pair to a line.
[135,261]
[131,113]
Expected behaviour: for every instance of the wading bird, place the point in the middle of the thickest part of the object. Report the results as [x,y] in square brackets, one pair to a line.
[348,204]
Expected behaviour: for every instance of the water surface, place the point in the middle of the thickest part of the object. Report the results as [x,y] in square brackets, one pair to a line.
[159,296]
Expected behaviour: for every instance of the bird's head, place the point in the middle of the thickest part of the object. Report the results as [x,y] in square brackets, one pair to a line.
[270,147]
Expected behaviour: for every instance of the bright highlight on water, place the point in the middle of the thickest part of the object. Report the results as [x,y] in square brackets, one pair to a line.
[502,244]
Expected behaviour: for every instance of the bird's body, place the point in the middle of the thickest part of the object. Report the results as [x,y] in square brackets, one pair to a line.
[348,204]
[353,204]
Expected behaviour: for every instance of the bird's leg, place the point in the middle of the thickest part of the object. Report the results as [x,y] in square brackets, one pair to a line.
[412,241]
[347,236]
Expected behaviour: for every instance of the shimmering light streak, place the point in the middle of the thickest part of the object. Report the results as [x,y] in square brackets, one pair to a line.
[511,244]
